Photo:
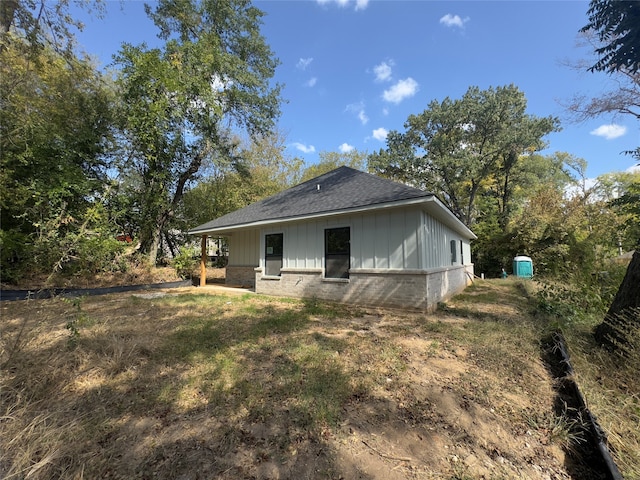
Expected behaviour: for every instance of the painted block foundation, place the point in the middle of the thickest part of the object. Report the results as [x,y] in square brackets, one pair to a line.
[414,289]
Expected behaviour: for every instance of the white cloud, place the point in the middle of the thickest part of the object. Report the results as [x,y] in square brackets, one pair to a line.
[380,134]
[359,4]
[633,169]
[303,63]
[402,89]
[609,132]
[311,82]
[345,148]
[358,110]
[383,71]
[304,148]
[453,21]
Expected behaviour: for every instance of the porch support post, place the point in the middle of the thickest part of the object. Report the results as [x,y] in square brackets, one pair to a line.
[203,261]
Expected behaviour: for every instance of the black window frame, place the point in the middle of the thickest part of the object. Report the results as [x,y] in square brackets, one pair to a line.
[337,252]
[271,258]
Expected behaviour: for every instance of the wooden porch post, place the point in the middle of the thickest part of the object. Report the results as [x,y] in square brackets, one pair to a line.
[203,261]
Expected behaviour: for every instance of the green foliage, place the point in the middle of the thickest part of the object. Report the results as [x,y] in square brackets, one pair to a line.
[626,206]
[181,101]
[54,136]
[43,24]
[76,319]
[184,262]
[460,149]
[331,160]
[617,25]
[579,297]
[261,170]
[14,253]
[54,133]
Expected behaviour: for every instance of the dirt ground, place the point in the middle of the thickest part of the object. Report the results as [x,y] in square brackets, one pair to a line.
[149,389]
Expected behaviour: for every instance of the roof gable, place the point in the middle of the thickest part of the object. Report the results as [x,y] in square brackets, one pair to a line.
[338,190]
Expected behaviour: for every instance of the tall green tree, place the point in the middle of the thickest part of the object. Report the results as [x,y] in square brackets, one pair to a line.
[55,131]
[458,148]
[498,241]
[331,160]
[185,103]
[261,169]
[617,25]
[41,23]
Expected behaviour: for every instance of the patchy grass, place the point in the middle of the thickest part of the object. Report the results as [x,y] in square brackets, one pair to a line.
[611,386]
[185,384]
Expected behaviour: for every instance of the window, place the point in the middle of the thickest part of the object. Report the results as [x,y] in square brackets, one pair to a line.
[273,254]
[461,253]
[337,252]
[454,250]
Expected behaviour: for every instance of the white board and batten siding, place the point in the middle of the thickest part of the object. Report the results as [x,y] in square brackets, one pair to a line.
[243,247]
[437,245]
[398,239]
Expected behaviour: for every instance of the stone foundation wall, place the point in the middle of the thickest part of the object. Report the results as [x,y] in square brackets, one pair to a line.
[240,275]
[416,289]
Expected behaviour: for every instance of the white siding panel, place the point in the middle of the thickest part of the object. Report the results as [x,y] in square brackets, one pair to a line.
[315,245]
[356,241]
[437,245]
[412,226]
[368,238]
[396,240]
[381,241]
[244,247]
[466,246]
[292,246]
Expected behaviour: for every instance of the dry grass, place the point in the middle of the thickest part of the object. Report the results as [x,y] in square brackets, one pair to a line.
[611,385]
[185,384]
[136,274]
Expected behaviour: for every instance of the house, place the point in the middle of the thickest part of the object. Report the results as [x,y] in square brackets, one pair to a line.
[348,236]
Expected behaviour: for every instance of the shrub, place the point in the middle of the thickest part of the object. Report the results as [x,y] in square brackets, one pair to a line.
[184,262]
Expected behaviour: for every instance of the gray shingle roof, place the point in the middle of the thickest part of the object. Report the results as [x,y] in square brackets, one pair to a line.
[341,189]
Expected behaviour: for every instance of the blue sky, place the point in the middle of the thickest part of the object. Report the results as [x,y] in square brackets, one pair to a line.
[353,70]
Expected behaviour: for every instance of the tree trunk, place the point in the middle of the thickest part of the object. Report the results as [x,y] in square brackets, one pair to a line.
[151,244]
[627,298]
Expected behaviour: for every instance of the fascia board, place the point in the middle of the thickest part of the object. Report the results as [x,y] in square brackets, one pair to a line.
[439,211]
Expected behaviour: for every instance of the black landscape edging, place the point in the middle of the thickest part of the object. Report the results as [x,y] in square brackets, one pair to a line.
[570,387]
[10,295]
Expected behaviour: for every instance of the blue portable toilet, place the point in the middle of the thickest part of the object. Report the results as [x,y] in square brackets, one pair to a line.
[523,266]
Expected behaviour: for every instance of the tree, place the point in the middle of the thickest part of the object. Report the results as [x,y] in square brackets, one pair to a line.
[184,104]
[262,169]
[332,160]
[55,131]
[535,181]
[617,25]
[459,148]
[42,24]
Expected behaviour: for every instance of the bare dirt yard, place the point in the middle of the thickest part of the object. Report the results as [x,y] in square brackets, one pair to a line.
[193,383]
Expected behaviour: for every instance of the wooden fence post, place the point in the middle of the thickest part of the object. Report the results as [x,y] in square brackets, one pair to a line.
[203,261]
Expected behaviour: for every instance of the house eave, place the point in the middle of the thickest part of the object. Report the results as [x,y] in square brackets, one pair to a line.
[431,203]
